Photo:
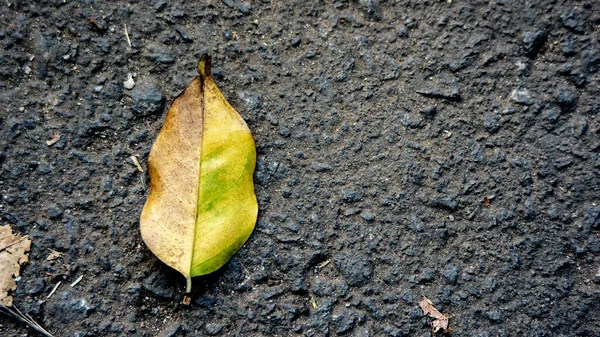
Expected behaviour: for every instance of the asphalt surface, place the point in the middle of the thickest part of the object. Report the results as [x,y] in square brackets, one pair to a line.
[447,149]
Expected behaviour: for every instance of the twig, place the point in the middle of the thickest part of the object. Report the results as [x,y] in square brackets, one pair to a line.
[127,36]
[77,281]
[25,318]
[137,163]
[54,289]
[324,264]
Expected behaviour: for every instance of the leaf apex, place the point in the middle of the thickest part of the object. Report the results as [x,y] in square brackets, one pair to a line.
[204,66]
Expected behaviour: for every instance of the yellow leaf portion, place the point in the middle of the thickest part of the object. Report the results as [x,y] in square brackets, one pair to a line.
[201,207]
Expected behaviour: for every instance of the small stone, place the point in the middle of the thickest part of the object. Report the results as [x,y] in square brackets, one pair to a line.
[160,5]
[440,86]
[591,61]
[463,61]
[592,220]
[177,12]
[429,112]
[158,286]
[368,216]
[351,196]
[274,291]
[529,209]
[566,97]
[491,122]
[213,328]
[147,99]
[534,41]
[562,162]
[285,132]
[451,274]
[356,267]
[523,67]
[572,21]
[343,320]
[593,244]
[67,307]
[521,96]
[320,167]
[494,315]
[158,53]
[371,9]
[448,202]
[251,99]
[172,330]
[401,30]
[54,212]
[129,84]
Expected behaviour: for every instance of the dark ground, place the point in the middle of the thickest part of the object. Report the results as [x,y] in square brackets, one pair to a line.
[380,126]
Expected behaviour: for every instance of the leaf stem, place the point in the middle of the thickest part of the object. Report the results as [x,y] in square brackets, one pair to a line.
[188,287]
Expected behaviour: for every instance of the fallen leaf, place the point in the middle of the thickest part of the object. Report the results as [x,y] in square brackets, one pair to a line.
[440,320]
[13,253]
[55,138]
[201,207]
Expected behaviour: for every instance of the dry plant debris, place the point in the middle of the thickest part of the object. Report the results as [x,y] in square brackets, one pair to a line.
[53,255]
[440,321]
[13,253]
[55,138]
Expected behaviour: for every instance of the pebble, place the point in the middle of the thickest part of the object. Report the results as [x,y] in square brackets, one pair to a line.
[213,328]
[252,100]
[591,61]
[534,41]
[494,315]
[147,99]
[158,286]
[562,162]
[158,53]
[356,267]
[429,112]
[572,21]
[368,216]
[172,330]
[343,320]
[566,97]
[521,96]
[320,167]
[160,5]
[491,122]
[129,83]
[440,86]
[54,212]
[351,195]
[68,308]
[451,274]
[592,220]
[448,202]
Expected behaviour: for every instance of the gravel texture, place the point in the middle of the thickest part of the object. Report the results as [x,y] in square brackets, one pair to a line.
[405,148]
